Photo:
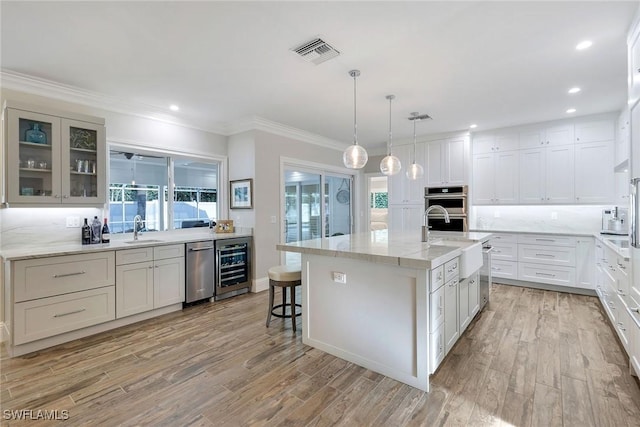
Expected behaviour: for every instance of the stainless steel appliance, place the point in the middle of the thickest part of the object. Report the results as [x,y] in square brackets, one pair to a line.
[233,267]
[485,274]
[200,262]
[614,221]
[454,200]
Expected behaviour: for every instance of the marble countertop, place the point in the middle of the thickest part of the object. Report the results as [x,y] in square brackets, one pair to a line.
[30,250]
[529,231]
[380,247]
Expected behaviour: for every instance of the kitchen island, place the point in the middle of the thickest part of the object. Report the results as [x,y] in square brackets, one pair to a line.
[366,297]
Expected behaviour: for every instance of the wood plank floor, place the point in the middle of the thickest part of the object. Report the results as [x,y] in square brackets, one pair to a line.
[531,358]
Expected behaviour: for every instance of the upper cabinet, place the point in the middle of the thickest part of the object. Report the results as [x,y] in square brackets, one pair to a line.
[634,65]
[402,190]
[623,140]
[446,162]
[53,158]
[568,162]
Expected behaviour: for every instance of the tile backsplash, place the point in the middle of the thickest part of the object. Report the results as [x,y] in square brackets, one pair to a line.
[43,225]
[556,219]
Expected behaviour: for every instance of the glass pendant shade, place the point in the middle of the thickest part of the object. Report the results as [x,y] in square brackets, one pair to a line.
[390,165]
[415,172]
[355,156]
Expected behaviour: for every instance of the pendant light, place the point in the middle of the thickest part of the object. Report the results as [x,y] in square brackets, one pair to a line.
[390,165]
[355,157]
[414,171]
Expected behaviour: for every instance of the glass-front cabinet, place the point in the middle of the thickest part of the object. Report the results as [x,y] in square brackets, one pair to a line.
[54,160]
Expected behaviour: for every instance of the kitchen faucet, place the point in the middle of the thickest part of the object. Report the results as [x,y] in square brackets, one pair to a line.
[137,221]
[425,220]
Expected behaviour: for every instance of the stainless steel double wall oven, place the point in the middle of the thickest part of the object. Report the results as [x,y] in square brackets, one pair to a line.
[454,200]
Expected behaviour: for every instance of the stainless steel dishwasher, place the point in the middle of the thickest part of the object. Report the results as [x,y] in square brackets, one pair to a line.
[200,265]
[485,274]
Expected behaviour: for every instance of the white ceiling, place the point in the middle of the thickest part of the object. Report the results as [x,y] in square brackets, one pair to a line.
[491,63]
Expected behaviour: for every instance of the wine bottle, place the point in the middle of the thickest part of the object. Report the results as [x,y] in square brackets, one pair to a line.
[86,233]
[95,230]
[106,236]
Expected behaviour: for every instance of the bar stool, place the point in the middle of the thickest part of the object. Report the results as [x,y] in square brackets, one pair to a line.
[285,277]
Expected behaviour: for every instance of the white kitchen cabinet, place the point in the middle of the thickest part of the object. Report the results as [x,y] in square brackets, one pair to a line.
[585,268]
[593,172]
[495,178]
[623,137]
[437,308]
[451,325]
[495,142]
[67,166]
[532,176]
[401,189]
[634,64]
[437,348]
[559,166]
[149,278]
[622,183]
[469,300]
[634,340]
[474,295]
[550,136]
[595,131]
[550,255]
[405,218]
[446,162]
[134,290]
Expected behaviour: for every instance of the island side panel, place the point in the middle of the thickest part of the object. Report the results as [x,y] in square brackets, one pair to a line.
[378,319]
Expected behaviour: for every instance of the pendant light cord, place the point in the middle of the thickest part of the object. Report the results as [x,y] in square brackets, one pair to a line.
[355,123]
[414,141]
[390,97]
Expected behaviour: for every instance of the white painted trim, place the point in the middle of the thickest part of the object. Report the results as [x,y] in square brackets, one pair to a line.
[4,332]
[259,285]
[42,87]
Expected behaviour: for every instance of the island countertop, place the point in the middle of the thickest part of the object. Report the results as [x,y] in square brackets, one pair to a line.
[383,247]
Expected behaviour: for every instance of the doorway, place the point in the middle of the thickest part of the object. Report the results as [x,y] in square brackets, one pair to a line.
[378,202]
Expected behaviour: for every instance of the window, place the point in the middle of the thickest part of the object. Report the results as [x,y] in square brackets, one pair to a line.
[379,200]
[139,184]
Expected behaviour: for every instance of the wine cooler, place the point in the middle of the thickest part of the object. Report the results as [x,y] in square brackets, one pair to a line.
[233,267]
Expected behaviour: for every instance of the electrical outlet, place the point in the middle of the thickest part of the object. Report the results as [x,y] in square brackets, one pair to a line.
[73,222]
[273,219]
[339,277]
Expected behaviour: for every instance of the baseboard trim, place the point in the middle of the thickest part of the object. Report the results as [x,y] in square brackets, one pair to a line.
[259,285]
[545,286]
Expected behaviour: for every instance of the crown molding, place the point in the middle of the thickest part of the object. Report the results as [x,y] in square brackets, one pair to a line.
[50,89]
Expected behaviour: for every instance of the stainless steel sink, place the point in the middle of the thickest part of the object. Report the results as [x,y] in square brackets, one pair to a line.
[141,241]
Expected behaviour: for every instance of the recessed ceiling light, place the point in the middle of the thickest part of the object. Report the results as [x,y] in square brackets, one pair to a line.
[174,107]
[473,126]
[574,90]
[571,110]
[584,45]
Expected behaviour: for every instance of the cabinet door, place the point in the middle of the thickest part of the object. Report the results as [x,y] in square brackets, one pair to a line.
[585,267]
[559,174]
[451,326]
[83,163]
[532,176]
[454,162]
[483,144]
[436,348]
[622,188]
[396,218]
[506,141]
[413,218]
[33,167]
[464,317]
[623,137]
[559,135]
[483,179]
[595,131]
[437,308]
[531,138]
[474,295]
[168,278]
[415,189]
[594,172]
[506,177]
[435,163]
[134,288]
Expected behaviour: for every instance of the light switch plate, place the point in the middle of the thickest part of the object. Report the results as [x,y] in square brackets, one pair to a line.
[339,277]
[73,221]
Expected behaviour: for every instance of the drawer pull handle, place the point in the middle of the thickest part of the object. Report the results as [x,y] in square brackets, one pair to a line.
[57,276]
[621,292]
[69,313]
[621,326]
[635,310]
[545,274]
[545,240]
[547,255]
[496,268]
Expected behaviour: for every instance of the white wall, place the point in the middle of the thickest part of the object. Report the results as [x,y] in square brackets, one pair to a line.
[241,151]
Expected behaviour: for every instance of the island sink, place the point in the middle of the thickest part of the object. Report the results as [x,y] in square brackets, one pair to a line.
[471,257]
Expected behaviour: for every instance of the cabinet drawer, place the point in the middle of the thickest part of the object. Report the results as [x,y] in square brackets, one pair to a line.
[437,277]
[551,274]
[549,255]
[450,269]
[504,250]
[168,251]
[539,239]
[504,269]
[45,277]
[51,316]
[500,238]
[437,309]
[130,256]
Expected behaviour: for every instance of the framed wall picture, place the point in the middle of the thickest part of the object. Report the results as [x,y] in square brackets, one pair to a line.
[241,194]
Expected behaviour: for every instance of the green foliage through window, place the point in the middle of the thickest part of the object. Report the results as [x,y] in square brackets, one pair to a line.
[379,200]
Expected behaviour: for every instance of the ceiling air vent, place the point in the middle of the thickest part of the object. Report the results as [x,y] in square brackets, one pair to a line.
[316,51]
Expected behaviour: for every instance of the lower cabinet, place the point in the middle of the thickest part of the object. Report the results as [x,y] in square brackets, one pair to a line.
[469,300]
[451,326]
[149,278]
[436,347]
[405,218]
